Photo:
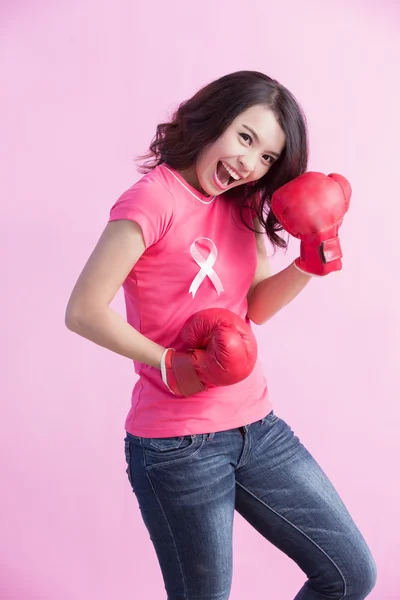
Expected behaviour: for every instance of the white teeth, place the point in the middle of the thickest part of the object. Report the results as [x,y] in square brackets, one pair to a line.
[231,172]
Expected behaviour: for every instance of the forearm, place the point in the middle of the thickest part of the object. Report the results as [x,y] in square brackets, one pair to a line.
[275,292]
[108,329]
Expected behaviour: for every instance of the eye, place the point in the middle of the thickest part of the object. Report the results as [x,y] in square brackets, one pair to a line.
[246,135]
[267,157]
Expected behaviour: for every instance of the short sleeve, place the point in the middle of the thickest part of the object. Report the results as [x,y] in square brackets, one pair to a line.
[150,204]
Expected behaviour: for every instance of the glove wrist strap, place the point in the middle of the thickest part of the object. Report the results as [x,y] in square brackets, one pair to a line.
[164,367]
[320,259]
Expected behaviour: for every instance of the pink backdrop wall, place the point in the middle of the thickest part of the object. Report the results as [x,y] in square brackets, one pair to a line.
[83,85]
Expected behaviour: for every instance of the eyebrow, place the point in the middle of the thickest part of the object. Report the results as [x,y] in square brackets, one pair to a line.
[258,140]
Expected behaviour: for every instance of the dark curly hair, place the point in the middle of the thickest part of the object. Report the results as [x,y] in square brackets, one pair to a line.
[201,120]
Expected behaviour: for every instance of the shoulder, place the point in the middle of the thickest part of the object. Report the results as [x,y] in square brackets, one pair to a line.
[150,204]
[263,267]
[260,236]
[150,191]
[153,181]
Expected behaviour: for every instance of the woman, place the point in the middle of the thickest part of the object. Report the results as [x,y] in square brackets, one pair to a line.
[186,243]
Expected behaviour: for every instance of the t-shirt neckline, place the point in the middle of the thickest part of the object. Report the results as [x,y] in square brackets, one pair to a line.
[198,195]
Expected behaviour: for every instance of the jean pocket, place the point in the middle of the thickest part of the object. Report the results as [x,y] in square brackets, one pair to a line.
[161,451]
[170,443]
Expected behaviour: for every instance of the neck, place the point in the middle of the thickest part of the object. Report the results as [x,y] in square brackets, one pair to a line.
[190,176]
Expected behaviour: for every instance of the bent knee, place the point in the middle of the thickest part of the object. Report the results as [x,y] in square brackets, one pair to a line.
[362,576]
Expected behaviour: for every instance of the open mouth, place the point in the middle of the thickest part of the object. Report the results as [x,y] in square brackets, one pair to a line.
[224,176]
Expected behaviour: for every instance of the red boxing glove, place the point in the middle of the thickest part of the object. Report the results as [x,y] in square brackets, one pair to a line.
[221,350]
[311,208]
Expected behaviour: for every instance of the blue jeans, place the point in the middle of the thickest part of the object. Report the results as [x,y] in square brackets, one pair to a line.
[188,488]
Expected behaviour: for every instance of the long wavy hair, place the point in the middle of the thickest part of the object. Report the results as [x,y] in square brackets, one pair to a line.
[201,120]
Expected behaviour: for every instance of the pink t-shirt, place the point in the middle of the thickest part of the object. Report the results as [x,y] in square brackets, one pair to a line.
[198,255]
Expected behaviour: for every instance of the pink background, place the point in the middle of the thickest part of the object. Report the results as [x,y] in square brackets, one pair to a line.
[83,85]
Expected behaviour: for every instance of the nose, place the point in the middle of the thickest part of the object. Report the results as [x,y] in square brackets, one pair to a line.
[247,163]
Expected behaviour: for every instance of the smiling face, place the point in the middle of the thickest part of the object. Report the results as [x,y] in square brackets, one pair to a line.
[243,153]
